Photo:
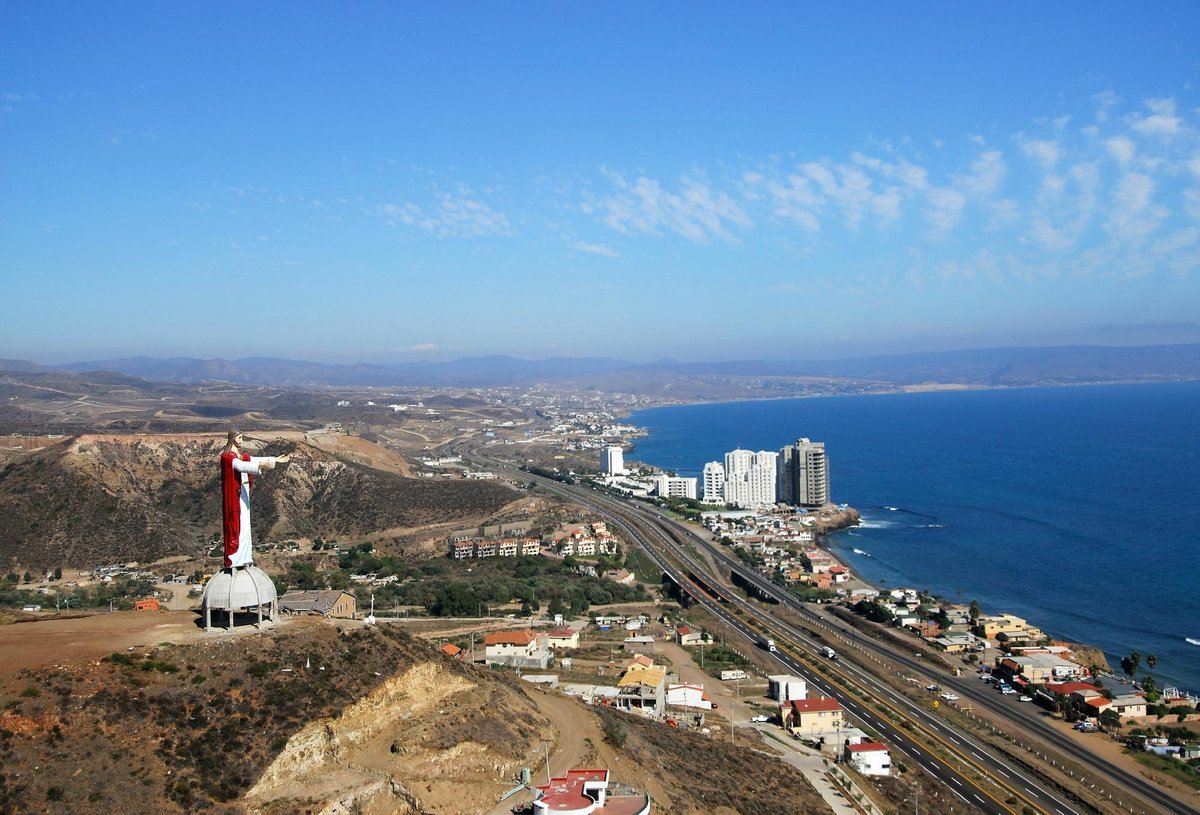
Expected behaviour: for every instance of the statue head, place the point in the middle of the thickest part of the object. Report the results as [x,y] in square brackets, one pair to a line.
[234,440]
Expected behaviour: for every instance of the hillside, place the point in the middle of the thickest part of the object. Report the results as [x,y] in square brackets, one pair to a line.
[292,713]
[309,717]
[97,499]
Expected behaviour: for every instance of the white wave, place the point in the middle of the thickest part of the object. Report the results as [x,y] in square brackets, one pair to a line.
[867,523]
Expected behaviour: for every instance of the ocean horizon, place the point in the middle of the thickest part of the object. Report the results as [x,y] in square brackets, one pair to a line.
[1073,507]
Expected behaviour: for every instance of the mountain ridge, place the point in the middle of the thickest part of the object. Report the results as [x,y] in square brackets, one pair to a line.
[1001,366]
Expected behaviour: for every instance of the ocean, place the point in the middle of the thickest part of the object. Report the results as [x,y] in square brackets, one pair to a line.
[1077,508]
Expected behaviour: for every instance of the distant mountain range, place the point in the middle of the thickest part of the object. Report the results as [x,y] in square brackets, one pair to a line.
[991,367]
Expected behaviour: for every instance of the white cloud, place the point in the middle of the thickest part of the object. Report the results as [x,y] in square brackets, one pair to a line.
[695,211]
[945,209]
[795,199]
[1162,120]
[1121,148]
[987,171]
[452,216]
[1044,150]
[1134,215]
[596,249]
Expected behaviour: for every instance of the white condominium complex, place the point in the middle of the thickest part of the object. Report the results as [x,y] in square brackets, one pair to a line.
[714,483]
[804,474]
[750,478]
[612,461]
[669,486]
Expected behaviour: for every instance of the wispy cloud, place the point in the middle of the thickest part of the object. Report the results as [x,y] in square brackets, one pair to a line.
[694,210]
[1161,121]
[596,249]
[450,216]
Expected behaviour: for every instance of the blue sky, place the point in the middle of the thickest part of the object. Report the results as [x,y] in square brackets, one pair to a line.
[375,182]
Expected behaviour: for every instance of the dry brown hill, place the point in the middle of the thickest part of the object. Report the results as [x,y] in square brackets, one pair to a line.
[309,717]
[97,499]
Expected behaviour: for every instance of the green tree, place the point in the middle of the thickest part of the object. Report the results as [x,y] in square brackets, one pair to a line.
[1109,720]
[1129,664]
[58,573]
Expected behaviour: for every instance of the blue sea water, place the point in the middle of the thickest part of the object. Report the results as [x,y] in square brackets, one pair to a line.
[1077,508]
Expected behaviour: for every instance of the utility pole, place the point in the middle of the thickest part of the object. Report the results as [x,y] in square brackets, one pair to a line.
[546,748]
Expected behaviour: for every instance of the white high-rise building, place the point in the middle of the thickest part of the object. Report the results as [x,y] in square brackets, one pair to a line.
[750,478]
[714,483]
[612,461]
[804,474]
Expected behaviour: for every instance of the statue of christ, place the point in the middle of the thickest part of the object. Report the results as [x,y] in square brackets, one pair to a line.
[237,477]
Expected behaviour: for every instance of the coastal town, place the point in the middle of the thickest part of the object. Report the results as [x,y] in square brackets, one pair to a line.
[755,644]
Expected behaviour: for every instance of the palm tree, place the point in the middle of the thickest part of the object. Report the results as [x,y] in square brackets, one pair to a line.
[1151,661]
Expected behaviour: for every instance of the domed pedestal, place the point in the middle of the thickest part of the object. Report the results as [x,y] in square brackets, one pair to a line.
[247,588]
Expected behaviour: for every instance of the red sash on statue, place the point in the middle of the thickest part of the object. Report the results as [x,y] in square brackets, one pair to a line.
[231,504]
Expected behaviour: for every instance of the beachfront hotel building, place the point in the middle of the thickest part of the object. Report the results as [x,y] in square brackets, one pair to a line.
[804,474]
[714,483]
[612,461]
[750,478]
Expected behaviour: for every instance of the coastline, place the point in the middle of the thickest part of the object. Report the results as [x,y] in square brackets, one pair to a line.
[966,544]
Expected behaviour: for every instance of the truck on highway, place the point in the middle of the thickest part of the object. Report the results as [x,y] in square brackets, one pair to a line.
[768,643]
[829,652]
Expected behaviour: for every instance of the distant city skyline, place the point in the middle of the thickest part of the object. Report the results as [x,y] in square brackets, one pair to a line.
[385,182]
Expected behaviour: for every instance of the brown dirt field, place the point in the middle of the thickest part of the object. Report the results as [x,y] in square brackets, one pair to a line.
[53,641]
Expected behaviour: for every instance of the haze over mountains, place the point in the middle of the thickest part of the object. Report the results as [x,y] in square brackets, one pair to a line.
[991,367]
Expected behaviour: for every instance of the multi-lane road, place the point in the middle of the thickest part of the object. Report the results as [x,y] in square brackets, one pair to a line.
[970,769]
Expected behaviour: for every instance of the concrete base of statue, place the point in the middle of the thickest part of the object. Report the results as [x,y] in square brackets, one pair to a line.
[245,589]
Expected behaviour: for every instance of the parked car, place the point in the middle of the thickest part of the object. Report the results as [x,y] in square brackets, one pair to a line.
[950,697]
[1008,691]
[1024,698]
[760,718]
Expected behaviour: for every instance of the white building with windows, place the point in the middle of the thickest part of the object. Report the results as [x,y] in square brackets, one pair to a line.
[714,483]
[612,461]
[750,478]
[669,486]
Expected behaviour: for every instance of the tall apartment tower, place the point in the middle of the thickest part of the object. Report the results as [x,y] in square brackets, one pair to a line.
[612,461]
[804,474]
[714,483]
[750,478]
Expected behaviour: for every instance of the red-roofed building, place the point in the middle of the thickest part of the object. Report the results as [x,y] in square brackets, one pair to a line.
[521,648]
[689,636]
[812,717]
[869,758]
[452,650]
[563,638]
[1067,688]
[585,792]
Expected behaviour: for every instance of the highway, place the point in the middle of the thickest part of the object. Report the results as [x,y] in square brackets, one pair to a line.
[969,768]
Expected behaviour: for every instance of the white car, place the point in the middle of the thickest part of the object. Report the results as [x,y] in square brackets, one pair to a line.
[760,718]
[949,697]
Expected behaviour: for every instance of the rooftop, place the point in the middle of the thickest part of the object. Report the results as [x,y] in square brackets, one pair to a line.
[522,637]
